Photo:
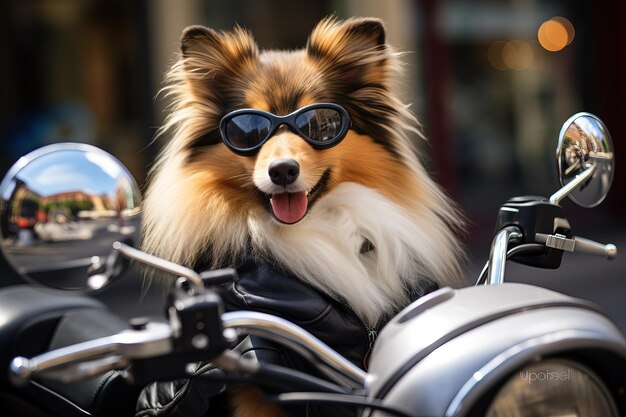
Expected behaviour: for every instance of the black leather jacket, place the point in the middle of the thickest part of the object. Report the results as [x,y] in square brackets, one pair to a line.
[261,287]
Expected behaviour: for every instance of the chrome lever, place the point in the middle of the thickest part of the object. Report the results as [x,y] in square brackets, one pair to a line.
[591,247]
[161,264]
[154,340]
[577,244]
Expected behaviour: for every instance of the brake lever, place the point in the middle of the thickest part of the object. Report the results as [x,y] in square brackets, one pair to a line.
[84,370]
[156,350]
[577,244]
[96,356]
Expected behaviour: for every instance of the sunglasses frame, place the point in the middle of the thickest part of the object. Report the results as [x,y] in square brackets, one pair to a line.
[290,121]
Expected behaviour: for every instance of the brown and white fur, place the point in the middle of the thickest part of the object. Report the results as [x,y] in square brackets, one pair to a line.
[206,203]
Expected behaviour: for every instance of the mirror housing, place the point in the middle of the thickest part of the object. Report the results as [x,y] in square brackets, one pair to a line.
[61,208]
[584,143]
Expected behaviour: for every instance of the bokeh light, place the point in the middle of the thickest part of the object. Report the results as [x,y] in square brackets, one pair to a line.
[555,34]
[494,55]
[517,55]
[513,55]
[568,27]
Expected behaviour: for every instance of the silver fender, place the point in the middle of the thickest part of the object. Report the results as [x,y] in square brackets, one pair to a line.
[442,353]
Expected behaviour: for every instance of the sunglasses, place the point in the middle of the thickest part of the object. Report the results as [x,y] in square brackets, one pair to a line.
[322,125]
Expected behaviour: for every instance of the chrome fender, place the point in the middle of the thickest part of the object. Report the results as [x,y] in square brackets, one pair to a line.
[442,353]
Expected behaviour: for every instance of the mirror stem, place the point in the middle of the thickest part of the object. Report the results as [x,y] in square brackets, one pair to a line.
[162,264]
[572,185]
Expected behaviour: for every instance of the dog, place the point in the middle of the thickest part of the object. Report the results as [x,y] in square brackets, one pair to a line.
[305,158]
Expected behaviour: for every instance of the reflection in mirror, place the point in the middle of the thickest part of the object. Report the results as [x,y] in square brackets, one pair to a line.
[585,142]
[62,207]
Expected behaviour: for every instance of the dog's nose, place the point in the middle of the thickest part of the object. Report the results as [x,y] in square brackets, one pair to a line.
[284,171]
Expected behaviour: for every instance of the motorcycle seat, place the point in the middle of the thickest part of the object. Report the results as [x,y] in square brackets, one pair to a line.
[36,320]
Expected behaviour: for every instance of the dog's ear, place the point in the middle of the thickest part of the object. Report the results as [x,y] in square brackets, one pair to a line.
[203,42]
[194,38]
[354,49]
[215,57]
[358,67]
[332,38]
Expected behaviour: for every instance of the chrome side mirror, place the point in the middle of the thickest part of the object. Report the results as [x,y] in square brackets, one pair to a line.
[585,160]
[62,207]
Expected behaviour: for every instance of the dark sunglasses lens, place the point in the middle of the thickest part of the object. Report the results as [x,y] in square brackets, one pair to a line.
[247,130]
[320,125]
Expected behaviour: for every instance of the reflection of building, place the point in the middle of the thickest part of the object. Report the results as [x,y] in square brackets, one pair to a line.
[86,201]
[82,204]
[28,207]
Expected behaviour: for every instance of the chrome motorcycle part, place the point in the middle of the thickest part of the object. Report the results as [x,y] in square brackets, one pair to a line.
[75,362]
[288,334]
[161,264]
[579,180]
[553,387]
[591,247]
[523,249]
[499,248]
[157,339]
[470,343]
[585,159]
[61,208]
[330,399]
[578,244]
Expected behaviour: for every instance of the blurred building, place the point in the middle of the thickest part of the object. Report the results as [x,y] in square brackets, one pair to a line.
[490,95]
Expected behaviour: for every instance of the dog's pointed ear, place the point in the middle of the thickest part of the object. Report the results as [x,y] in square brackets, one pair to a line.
[352,54]
[194,37]
[208,52]
[347,41]
[359,69]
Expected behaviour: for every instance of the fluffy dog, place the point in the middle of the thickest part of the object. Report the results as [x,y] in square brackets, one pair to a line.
[359,219]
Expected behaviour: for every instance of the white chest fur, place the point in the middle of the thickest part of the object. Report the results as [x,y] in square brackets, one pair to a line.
[324,249]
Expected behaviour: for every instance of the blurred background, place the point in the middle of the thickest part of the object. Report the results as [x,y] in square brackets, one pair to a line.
[492,82]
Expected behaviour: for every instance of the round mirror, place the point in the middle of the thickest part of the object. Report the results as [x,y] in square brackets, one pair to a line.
[62,207]
[584,142]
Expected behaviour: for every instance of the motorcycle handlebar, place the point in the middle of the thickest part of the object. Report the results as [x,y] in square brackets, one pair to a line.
[498,254]
[282,331]
[157,339]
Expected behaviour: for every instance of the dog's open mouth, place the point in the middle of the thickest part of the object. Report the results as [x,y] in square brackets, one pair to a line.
[290,208]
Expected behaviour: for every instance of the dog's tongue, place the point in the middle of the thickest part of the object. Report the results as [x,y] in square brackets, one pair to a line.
[289,207]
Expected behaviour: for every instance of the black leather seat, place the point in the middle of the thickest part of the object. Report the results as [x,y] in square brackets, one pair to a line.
[35,320]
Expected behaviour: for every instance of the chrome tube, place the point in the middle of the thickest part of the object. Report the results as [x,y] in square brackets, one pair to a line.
[162,264]
[571,186]
[286,333]
[497,256]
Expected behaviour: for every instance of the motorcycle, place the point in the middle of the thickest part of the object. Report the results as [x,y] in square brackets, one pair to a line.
[494,349]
